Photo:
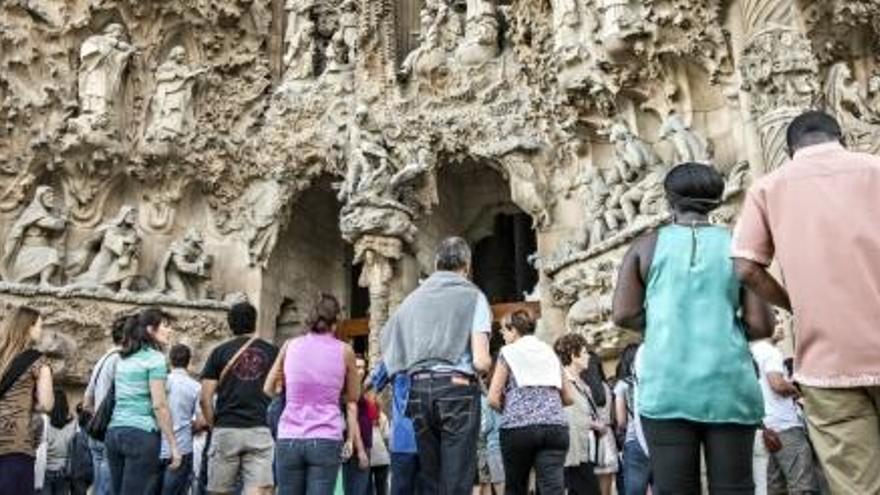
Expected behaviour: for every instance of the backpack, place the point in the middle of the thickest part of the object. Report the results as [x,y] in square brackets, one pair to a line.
[79,459]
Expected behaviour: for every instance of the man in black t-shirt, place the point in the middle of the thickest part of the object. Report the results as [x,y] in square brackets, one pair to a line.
[241,443]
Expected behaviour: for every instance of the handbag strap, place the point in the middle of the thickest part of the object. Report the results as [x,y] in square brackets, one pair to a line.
[18,367]
[232,361]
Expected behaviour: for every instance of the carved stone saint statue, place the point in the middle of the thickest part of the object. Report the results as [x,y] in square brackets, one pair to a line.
[859,120]
[263,204]
[28,251]
[688,146]
[481,36]
[186,268]
[103,58]
[369,161]
[429,55]
[634,156]
[171,103]
[348,28]
[111,255]
[299,55]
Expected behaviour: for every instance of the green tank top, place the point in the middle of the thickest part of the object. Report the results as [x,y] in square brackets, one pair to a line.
[695,362]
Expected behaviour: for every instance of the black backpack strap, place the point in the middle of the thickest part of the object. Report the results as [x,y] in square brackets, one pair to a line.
[18,367]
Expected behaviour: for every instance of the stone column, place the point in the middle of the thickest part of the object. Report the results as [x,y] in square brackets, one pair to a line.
[379,256]
[779,73]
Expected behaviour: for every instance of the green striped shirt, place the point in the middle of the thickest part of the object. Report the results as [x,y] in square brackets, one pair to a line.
[134,407]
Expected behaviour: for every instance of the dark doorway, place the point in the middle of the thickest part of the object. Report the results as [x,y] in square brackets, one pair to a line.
[501,265]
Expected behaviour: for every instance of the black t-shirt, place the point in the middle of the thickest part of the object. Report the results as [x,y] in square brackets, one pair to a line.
[241,402]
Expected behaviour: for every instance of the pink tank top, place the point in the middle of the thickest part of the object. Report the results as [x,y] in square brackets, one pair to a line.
[314,374]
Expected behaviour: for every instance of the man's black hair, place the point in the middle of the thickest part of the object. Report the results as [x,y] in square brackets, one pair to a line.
[242,318]
[812,127]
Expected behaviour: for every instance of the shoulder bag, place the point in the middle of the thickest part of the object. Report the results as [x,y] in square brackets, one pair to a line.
[17,368]
[97,426]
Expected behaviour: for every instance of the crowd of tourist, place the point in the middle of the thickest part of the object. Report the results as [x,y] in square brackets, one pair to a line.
[686,405]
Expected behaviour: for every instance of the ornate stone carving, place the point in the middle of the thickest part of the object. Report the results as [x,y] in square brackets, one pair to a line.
[378,256]
[264,206]
[300,46]
[111,256]
[173,98]
[688,146]
[369,166]
[103,59]
[480,44]
[859,119]
[780,75]
[31,252]
[185,269]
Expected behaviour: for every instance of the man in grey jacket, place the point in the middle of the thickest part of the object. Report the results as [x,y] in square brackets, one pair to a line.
[439,336]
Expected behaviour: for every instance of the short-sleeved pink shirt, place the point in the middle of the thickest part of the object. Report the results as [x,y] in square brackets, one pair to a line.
[819,216]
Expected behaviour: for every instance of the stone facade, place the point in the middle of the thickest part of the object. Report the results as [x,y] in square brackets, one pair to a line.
[180,153]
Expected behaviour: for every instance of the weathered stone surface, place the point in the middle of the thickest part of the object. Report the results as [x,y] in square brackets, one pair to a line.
[222,115]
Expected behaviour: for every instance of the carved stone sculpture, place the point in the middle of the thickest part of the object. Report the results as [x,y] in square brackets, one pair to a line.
[263,204]
[111,256]
[348,28]
[633,155]
[416,183]
[369,164]
[103,58]
[429,57]
[185,268]
[859,120]
[29,254]
[622,20]
[300,50]
[173,97]
[481,34]
[688,146]
[377,255]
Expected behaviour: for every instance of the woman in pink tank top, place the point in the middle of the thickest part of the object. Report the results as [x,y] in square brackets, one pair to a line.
[317,372]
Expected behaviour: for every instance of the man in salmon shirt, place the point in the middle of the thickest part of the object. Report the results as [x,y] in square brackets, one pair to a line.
[818,217]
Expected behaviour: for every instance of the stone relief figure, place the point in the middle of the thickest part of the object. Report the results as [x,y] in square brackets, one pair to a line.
[369,164]
[111,255]
[429,56]
[417,179]
[858,119]
[186,268]
[173,98]
[621,20]
[688,146]
[644,197]
[29,255]
[103,58]
[633,155]
[336,54]
[300,51]
[481,35]
[263,204]
[597,194]
[348,28]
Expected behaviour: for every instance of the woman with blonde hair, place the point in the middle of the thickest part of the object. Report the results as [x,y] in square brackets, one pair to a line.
[25,387]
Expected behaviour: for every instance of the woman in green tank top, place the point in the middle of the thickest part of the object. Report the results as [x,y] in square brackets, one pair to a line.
[697,385]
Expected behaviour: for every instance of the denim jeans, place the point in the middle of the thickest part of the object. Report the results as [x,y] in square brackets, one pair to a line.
[56,483]
[133,455]
[445,410]
[405,474]
[176,481]
[636,469]
[101,483]
[355,481]
[307,466]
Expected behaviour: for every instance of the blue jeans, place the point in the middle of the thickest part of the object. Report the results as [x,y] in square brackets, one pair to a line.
[177,481]
[308,466]
[355,481]
[101,484]
[636,469]
[134,460]
[445,410]
[405,479]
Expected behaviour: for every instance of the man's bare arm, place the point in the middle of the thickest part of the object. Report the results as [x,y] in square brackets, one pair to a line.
[758,280]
